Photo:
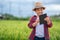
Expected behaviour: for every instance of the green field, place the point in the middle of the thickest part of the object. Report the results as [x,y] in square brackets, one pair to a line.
[18,30]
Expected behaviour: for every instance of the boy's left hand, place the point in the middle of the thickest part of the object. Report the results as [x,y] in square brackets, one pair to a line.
[48,20]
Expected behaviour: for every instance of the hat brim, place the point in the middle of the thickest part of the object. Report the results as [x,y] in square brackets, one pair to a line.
[39,8]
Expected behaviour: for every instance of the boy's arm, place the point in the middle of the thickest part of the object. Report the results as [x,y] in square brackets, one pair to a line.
[32,21]
[49,22]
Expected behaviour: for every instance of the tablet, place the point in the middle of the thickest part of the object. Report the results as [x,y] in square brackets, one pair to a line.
[41,18]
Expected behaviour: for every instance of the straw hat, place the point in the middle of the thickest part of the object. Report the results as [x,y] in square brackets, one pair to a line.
[38,5]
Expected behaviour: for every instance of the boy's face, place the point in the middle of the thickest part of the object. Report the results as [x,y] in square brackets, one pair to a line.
[39,11]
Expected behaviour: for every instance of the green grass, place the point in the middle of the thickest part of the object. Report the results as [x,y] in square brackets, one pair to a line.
[18,30]
[55,31]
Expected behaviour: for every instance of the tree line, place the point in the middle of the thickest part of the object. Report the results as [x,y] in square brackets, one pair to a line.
[7,16]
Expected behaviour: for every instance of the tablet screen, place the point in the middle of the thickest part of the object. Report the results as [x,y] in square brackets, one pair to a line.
[41,18]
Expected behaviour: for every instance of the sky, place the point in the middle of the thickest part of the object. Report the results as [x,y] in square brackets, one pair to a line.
[23,8]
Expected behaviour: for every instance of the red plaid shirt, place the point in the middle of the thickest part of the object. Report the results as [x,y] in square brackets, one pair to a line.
[46,26]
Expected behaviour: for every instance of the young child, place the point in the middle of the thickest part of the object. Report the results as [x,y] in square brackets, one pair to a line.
[39,31]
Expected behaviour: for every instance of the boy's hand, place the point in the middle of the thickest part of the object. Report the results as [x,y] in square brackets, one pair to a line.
[35,23]
[48,20]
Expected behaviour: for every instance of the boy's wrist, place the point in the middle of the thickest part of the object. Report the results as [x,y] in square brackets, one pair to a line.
[48,22]
[34,24]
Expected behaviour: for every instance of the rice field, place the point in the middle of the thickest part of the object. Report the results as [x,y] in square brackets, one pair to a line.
[18,30]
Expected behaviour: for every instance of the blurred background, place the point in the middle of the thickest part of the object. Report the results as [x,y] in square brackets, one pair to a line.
[15,14]
[23,8]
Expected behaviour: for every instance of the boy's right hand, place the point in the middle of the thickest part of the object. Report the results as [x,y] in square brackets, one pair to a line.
[35,23]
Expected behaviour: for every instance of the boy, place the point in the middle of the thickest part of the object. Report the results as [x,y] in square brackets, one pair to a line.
[40,31]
